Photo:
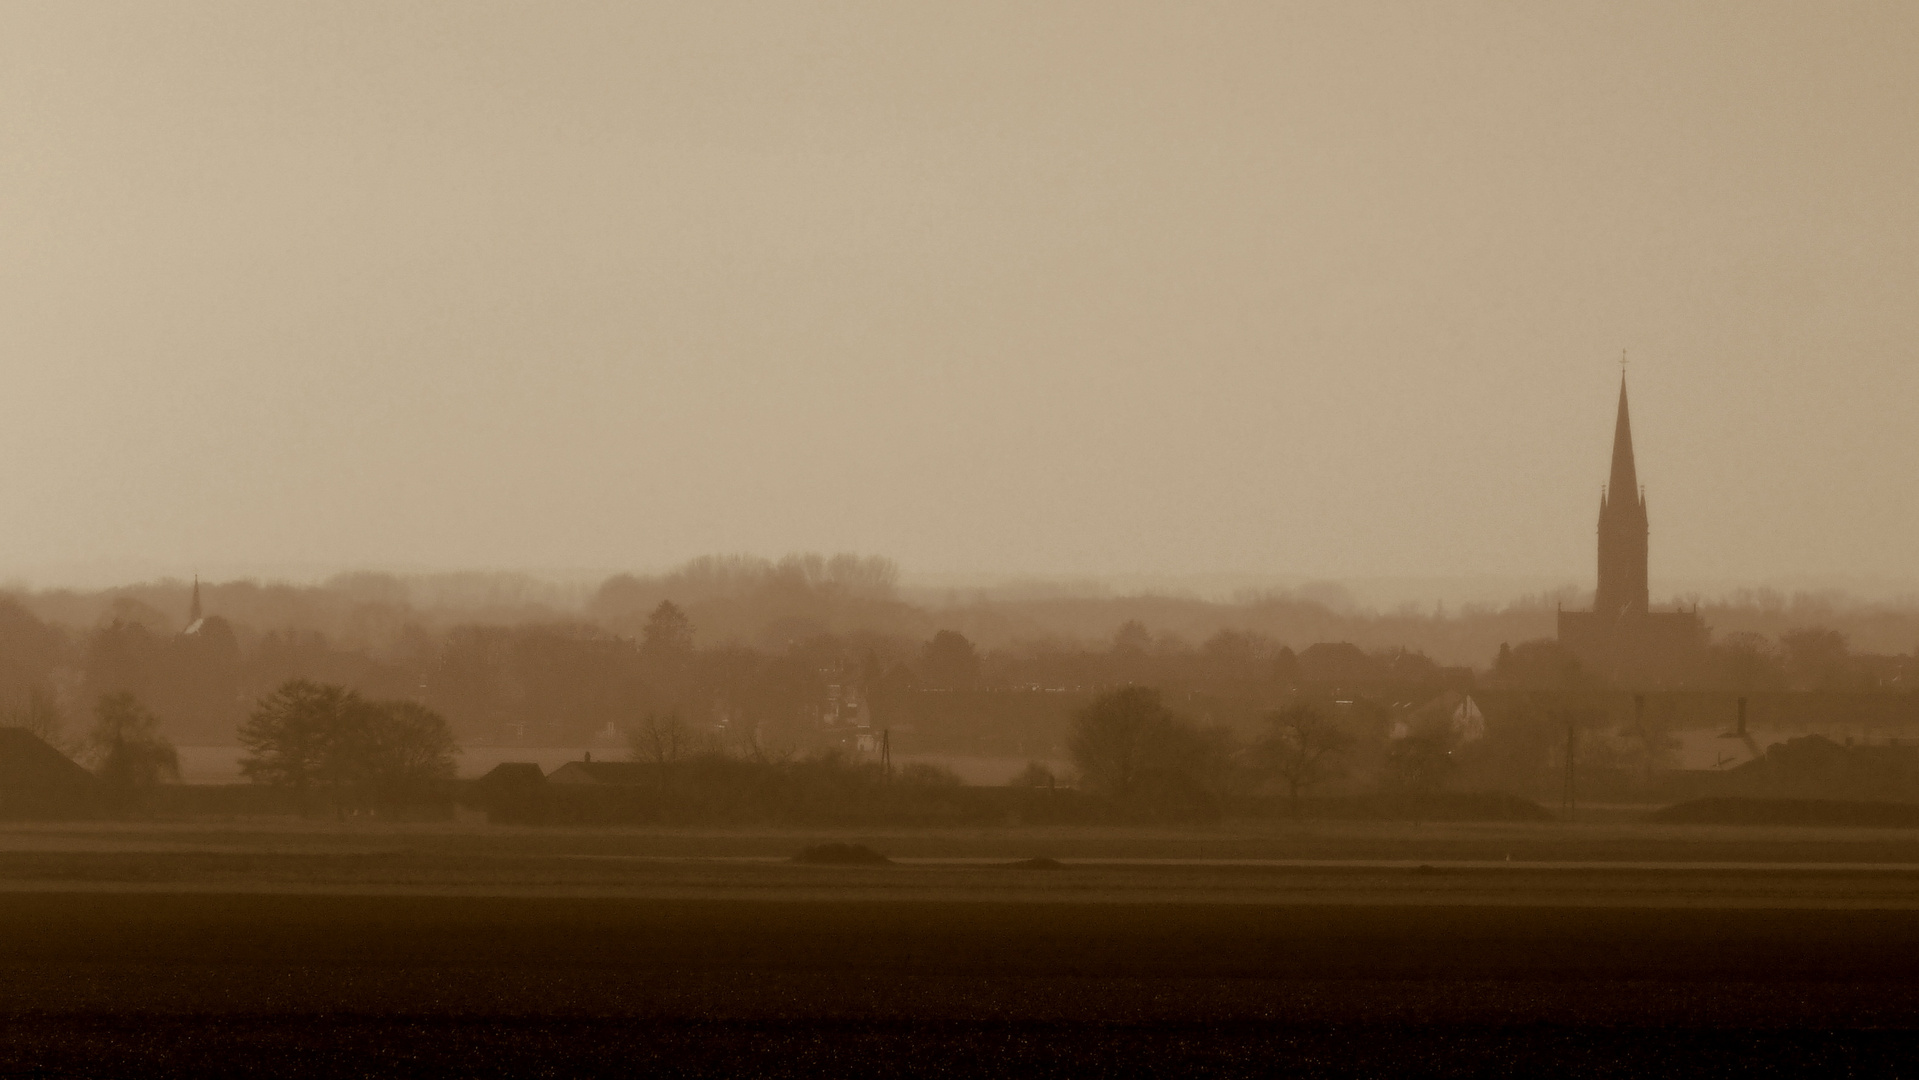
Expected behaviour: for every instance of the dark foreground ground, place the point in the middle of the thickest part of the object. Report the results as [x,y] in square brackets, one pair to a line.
[121,957]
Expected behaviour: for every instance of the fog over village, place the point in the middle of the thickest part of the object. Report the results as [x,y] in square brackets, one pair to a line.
[503,655]
[1074,539]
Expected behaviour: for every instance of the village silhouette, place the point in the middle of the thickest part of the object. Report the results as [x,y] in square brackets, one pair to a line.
[739,690]
[777,818]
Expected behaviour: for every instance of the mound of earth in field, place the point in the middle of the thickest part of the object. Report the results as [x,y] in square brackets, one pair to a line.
[1430,806]
[841,855]
[1828,812]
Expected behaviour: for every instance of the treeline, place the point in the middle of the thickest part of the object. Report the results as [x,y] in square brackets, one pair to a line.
[764,604]
[1142,757]
[573,682]
[781,648]
[1807,659]
[321,746]
[1135,757]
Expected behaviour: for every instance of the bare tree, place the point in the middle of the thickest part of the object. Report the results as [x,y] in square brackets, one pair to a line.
[1422,759]
[1133,751]
[1302,748]
[661,740]
[403,749]
[132,756]
[667,640]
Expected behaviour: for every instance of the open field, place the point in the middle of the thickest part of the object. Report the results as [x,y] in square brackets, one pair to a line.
[1324,949]
[1624,838]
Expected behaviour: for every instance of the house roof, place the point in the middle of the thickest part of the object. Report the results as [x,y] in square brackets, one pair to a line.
[1336,661]
[512,774]
[26,758]
[38,781]
[622,773]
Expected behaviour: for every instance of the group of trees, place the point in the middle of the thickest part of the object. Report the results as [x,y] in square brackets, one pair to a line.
[1152,759]
[331,743]
[1805,658]
[1147,760]
[319,741]
[124,745]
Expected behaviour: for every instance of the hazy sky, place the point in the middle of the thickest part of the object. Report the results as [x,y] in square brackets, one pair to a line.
[1330,289]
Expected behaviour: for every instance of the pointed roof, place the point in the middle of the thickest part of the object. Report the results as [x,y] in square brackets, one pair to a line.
[614,773]
[38,781]
[1625,478]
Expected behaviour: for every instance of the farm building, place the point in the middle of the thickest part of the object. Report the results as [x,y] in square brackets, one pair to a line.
[39,782]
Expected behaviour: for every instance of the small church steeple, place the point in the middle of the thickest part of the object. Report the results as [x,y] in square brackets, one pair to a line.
[193,606]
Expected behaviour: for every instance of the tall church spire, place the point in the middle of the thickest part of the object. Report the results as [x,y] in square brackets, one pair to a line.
[1625,478]
[1622,639]
[1622,527]
[193,609]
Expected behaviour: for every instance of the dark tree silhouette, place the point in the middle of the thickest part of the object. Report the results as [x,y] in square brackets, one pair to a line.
[661,740]
[131,755]
[1132,639]
[1743,660]
[1286,667]
[1234,655]
[366,755]
[1117,738]
[287,737]
[667,641]
[397,751]
[1302,748]
[1816,658]
[1133,751]
[950,660]
[1422,760]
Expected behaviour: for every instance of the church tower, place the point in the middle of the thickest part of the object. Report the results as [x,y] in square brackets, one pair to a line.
[1622,640]
[1622,528]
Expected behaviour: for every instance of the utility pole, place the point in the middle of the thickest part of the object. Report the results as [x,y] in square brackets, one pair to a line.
[1645,737]
[1569,803]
